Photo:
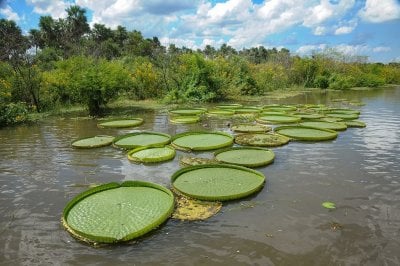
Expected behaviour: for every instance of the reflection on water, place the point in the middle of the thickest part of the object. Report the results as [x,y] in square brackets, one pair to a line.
[283,224]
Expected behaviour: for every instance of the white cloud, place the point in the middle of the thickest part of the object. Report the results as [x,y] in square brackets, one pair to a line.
[377,11]
[308,49]
[325,11]
[9,14]
[320,30]
[381,49]
[178,42]
[49,7]
[343,30]
[346,27]
[345,49]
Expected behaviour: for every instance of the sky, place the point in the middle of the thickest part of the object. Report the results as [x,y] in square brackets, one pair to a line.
[354,27]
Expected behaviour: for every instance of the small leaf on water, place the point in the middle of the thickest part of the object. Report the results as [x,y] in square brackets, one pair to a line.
[329,205]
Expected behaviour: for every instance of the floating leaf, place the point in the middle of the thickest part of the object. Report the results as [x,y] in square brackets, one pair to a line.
[329,205]
[323,124]
[278,119]
[201,141]
[115,212]
[189,119]
[261,139]
[250,128]
[121,123]
[245,156]
[93,142]
[151,154]
[218,182]
[306,133]
[141,139]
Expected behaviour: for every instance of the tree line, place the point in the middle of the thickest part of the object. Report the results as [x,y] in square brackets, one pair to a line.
[66,62]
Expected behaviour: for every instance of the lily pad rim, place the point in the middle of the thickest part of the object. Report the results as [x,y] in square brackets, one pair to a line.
[114,185]
[95,146]
[160,159]
[139,119]
[335,133]
[189,133]
[267,162]
[138,133]
[222,165]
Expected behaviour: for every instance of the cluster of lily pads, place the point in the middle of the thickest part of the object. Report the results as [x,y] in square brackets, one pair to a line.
[114,212]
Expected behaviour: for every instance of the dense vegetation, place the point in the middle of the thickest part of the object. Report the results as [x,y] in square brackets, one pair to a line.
[65,62]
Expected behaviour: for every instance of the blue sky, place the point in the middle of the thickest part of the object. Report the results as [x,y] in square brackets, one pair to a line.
[353,27]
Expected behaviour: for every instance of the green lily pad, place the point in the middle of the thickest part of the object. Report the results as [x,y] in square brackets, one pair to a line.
[250,128]
[308,115]
[113,212]
[323,124]
[273,113]
[188,111]
[281,108]
[184,119]
[329,205]
[141,139]
[343,111]
[151,154]
[201,141]
[278,119]
[93,142]
[261,139]
[245,156]
[344,116]
[121,123]
[355,123]
[218,182]
[306,133]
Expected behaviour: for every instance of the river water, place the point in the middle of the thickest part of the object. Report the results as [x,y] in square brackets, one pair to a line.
[284,224]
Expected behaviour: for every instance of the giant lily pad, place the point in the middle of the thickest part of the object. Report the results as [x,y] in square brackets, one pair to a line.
[121,123]
[115,212]
[306,133]
[245,156]
[151,154]
[188,111]
[185,119]
[355,123]
[92,142]
[343,111]
[250,128]
[278,119]
[261,139]
[217,182]
[324,124]
[305,115]
[201,141]
[141,139]
[344,116]
[280,108]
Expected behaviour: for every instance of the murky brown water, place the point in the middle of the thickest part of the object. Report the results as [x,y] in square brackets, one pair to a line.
[284,224]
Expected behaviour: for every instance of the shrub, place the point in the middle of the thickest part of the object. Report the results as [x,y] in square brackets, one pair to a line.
[12,113]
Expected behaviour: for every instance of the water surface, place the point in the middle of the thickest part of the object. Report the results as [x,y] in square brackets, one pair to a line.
[284,224]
